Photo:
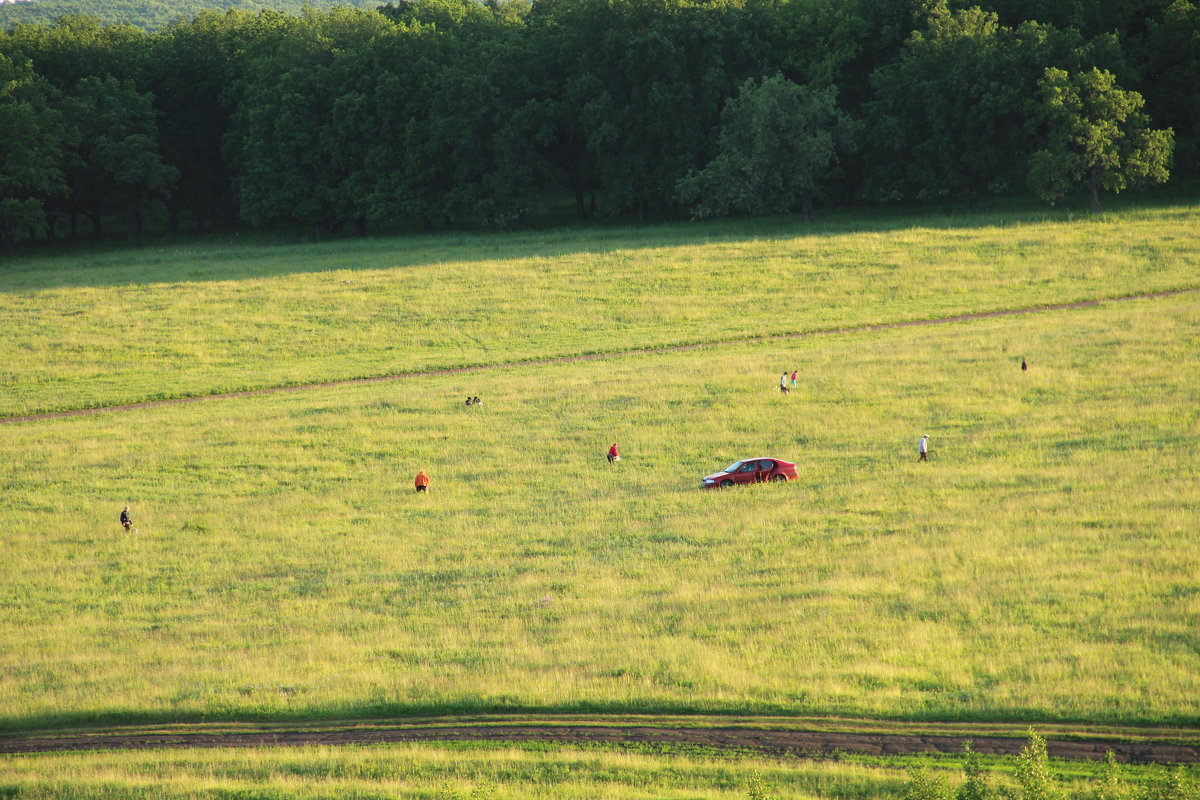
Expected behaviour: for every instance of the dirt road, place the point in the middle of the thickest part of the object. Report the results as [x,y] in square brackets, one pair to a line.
[75,412]
[774,741]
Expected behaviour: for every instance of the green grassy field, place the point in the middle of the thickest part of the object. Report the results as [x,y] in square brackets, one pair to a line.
[119,326]
[1042,568]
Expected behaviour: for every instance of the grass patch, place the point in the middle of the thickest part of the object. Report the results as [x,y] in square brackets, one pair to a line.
[1042,566]
[497,772]
[216,315]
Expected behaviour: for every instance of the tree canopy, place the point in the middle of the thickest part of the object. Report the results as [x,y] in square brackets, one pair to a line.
[434,112]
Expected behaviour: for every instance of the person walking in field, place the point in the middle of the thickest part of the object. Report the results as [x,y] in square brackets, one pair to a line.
[923,448]
[126,520]
[1024,366]
[783,387]
[794,378]
[422,481]
[613,454]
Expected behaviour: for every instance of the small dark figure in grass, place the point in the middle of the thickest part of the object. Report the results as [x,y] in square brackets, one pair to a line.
[470,401]
[923,448]
[126,520]
[475,401]
[1024,366]
[613,455]
[422,481]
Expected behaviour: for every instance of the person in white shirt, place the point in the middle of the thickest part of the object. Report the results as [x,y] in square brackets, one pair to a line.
[923,448]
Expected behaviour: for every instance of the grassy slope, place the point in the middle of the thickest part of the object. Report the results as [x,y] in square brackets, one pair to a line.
[197,319]
[1042,567]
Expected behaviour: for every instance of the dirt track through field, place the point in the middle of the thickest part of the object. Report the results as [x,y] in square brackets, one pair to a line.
[397,376]
[776,742]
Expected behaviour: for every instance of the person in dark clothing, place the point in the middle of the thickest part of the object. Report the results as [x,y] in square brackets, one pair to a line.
[126,520]
[1024,366]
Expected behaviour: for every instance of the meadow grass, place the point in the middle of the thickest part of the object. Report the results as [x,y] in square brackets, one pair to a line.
[1042,566]
[80,330]
[497,772]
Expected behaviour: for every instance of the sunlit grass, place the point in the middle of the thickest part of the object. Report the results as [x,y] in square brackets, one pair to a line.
[1042,566]
[206,317]
[495,771]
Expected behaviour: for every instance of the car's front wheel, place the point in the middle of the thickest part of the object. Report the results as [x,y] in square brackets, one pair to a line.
[725,484]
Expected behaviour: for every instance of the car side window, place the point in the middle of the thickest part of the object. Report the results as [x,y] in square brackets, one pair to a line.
[747,467]
[766,465]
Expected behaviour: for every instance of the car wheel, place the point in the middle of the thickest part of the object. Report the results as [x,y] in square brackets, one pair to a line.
[725,484]
[779,478]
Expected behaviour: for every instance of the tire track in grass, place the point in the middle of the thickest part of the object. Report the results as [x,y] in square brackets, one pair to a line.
[671,348]
[775,742]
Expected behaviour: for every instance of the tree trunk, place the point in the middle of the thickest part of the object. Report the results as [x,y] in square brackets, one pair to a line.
[641,210]
[360,226]
[580,209]
[74,225]
[806,205]
[96,230]
[1094,190]
[427,224]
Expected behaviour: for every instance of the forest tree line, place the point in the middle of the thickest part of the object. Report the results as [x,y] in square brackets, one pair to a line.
[149,15]
[431,111]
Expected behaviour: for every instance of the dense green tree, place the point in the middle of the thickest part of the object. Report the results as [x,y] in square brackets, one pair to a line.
[777,144]
[463,160]
[289,167]
[950,116]
[76,47]
[1093,133]
[189,70]
[648,80]
[30,151]
[478,111]
[819,40]
[115,164]
[1169,58]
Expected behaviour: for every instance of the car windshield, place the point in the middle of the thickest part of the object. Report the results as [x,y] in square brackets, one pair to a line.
[733,467]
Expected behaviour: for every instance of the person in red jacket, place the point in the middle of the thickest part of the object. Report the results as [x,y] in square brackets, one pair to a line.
[422,481]
[613,455]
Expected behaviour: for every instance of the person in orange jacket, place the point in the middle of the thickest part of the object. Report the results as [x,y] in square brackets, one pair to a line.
[613,455]
[422,481]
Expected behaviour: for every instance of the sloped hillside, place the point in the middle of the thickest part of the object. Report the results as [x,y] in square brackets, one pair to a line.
[148,14]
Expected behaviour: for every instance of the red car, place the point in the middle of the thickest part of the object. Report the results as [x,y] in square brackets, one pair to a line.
[751,470]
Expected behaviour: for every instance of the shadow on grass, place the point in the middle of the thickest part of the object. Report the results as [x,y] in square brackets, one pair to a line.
[262,255]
